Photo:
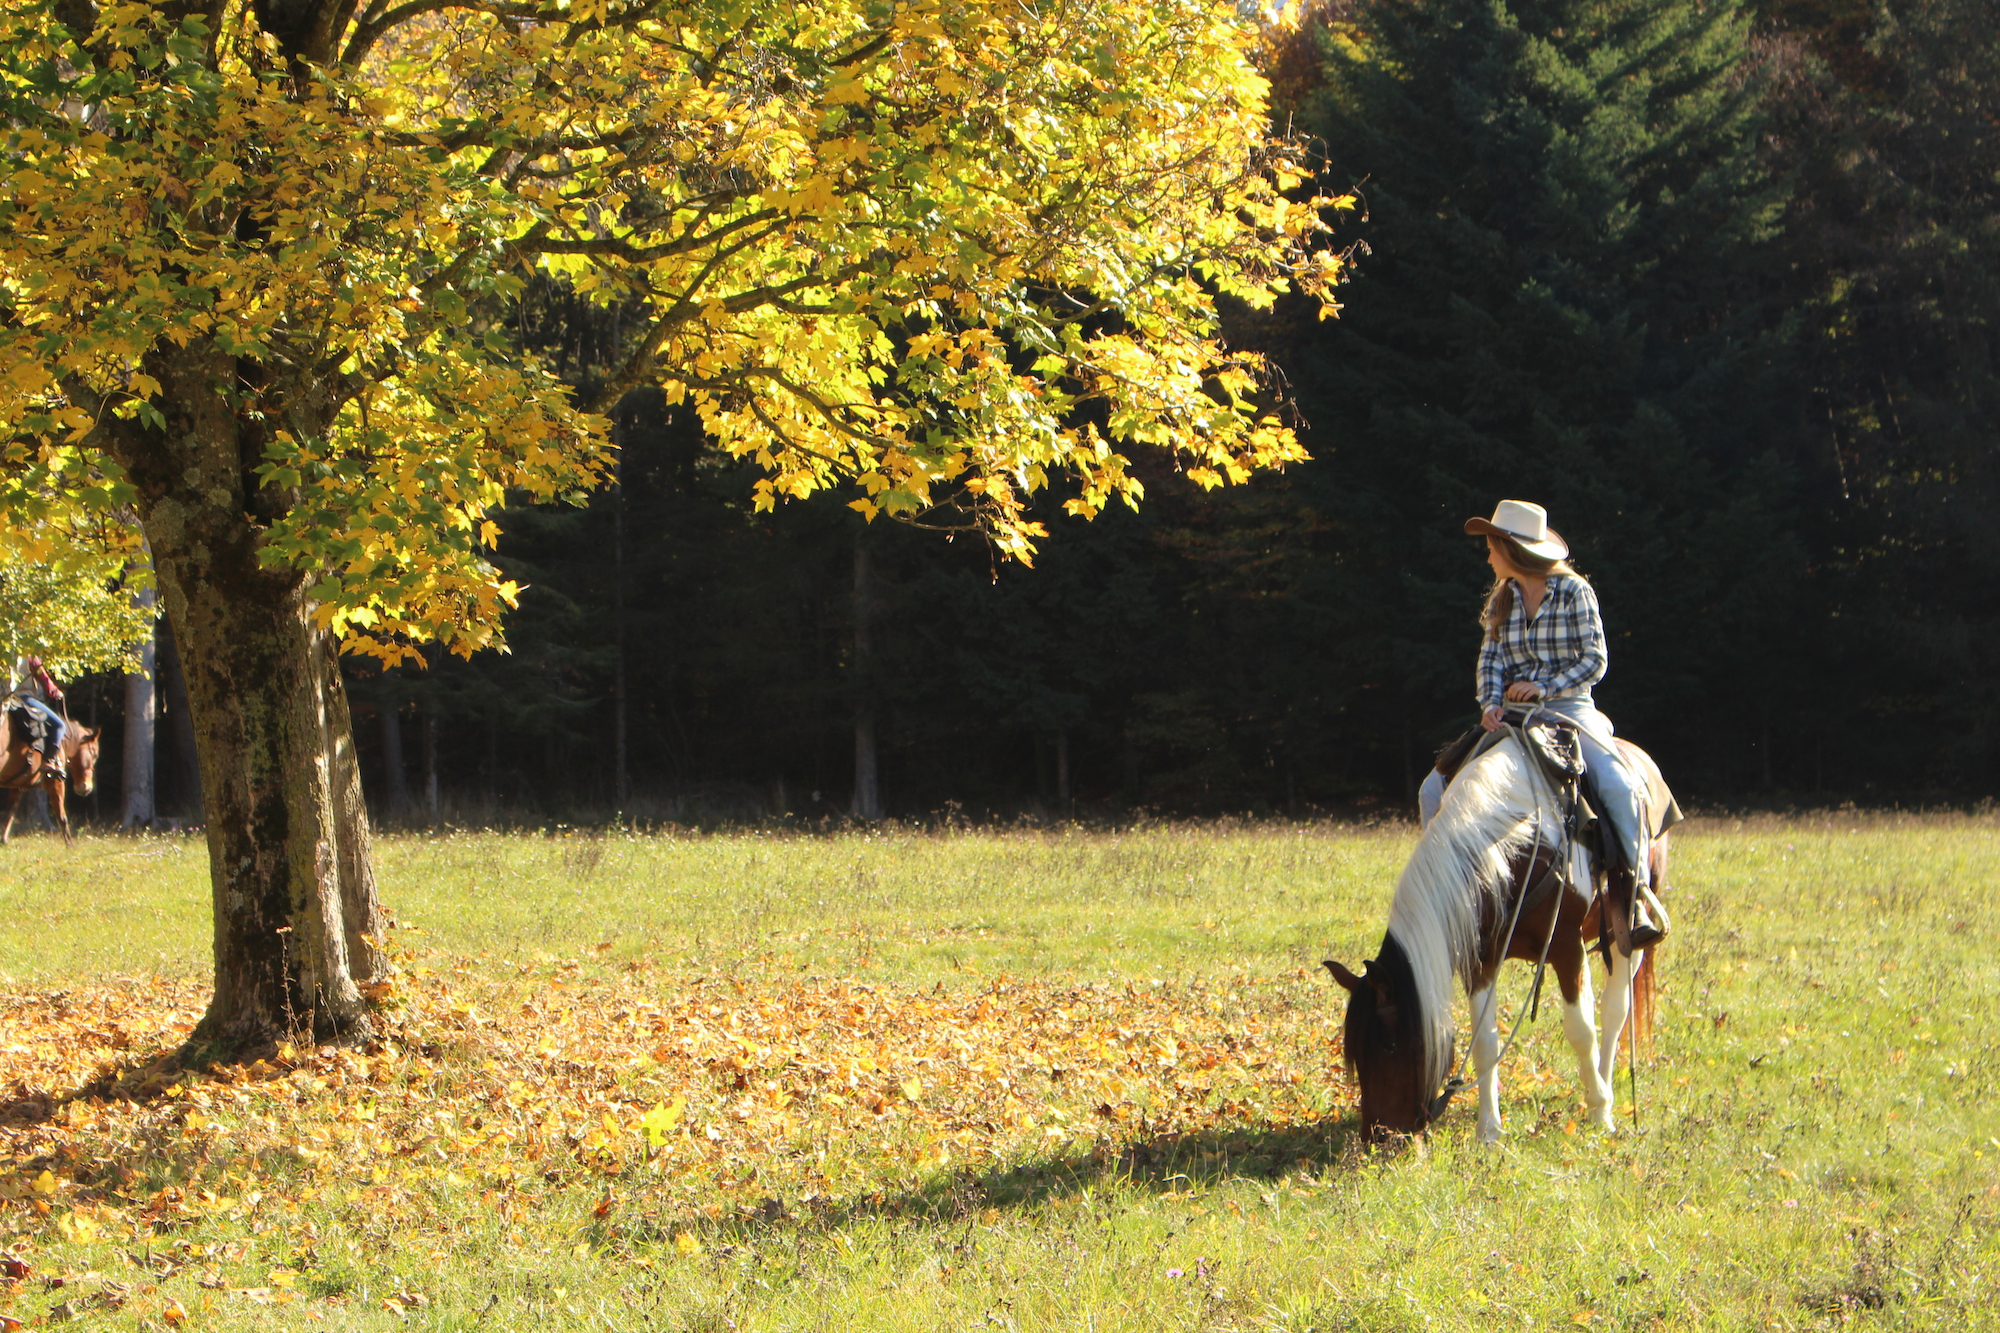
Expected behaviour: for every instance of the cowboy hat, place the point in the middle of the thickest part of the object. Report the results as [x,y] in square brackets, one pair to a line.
[1525,524]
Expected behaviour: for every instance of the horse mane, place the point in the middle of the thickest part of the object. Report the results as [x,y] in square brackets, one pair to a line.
[1463,859]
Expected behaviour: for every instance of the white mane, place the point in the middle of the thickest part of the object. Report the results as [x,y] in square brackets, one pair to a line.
[1486,819]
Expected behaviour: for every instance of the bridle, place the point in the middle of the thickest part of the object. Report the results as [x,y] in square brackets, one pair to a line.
[1554,878]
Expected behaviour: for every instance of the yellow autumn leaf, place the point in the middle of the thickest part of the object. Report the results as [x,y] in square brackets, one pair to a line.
[661,1120]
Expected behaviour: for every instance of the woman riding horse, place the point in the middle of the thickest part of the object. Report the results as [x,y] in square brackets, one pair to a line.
[32,690]
[1544,645]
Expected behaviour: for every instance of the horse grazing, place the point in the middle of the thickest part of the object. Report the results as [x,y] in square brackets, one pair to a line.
[21,771]
[1491,846]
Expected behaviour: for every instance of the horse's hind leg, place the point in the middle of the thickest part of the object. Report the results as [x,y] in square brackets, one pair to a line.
[1616,1009]
[14,795]
[1486,1060]
[1582,1033]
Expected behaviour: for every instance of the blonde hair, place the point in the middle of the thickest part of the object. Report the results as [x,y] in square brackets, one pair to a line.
[1500,598]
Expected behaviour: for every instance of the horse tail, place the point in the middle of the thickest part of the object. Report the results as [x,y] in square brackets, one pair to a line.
[1639,1024]
[1639,1027]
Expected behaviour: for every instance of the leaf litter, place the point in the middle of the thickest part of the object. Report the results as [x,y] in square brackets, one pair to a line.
[656,1114]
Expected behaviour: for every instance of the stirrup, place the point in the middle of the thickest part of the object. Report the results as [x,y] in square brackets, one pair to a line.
[1652,923]
[1650,904]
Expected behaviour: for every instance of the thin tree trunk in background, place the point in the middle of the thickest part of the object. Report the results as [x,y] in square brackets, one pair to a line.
[140,715]
[618,700]
[1062,768]
[867,780]
[430,767]
[430,744]
[1765,746]
[492,775]
[395,783]
[93,710]
[1410,769]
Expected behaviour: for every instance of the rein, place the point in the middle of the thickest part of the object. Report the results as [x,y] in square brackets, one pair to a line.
[1557,875]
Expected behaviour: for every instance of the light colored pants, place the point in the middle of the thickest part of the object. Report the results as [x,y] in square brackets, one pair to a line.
[57,727]
[1621,792]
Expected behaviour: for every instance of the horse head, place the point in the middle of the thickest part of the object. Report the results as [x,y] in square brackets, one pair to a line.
[1384,1036]
[83,763]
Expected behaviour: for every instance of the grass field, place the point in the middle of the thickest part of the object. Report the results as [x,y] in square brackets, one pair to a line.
[1028,1080]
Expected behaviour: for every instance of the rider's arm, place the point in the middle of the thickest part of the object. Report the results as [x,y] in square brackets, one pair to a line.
[50,689]
[1488,676]
[1490,684]
[1583,634]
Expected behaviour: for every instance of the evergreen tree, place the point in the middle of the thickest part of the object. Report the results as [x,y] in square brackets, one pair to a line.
[1557,301]
[1892,120]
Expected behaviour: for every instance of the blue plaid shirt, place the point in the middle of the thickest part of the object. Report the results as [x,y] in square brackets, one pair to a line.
[1561,649]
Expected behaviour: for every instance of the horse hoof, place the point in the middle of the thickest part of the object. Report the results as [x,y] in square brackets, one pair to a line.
[1491,1134]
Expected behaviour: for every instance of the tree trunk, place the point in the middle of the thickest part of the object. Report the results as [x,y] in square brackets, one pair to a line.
[867,780]
[139,720]
[271,726]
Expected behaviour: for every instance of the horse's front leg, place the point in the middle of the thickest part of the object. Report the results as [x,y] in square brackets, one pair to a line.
[14,795]
[1613,1013]
[1486,1059]
[59,799]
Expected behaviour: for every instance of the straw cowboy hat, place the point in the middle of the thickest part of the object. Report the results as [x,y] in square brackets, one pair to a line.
[1526,524]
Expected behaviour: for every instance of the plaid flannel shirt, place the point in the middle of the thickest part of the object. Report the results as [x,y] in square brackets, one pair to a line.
[1561,649]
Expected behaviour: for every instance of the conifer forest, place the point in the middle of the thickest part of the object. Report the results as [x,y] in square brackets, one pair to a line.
[1715,281]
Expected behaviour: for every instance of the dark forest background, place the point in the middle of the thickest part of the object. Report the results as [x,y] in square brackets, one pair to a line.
[1716,282]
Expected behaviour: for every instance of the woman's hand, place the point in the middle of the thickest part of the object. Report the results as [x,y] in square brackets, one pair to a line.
[1524,691]
[1493,718]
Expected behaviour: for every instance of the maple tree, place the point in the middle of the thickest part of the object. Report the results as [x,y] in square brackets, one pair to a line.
[70,603]
[257,259]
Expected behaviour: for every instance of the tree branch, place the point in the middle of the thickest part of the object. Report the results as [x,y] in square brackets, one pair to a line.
[642,254]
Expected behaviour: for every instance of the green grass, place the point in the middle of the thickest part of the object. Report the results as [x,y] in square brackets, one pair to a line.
[901,906]
[1817,1143]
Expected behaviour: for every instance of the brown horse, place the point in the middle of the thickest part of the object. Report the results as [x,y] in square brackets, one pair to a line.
[1496,834]
[21,771]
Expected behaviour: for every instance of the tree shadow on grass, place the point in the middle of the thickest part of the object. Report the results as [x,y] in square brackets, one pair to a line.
[1162,1163]
[151,1155]
[1156,1160]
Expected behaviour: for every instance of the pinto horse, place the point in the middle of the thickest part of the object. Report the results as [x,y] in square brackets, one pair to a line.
[1497,832]
[21,771]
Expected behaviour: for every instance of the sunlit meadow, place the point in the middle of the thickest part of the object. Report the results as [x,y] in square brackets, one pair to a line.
[1028,1080]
